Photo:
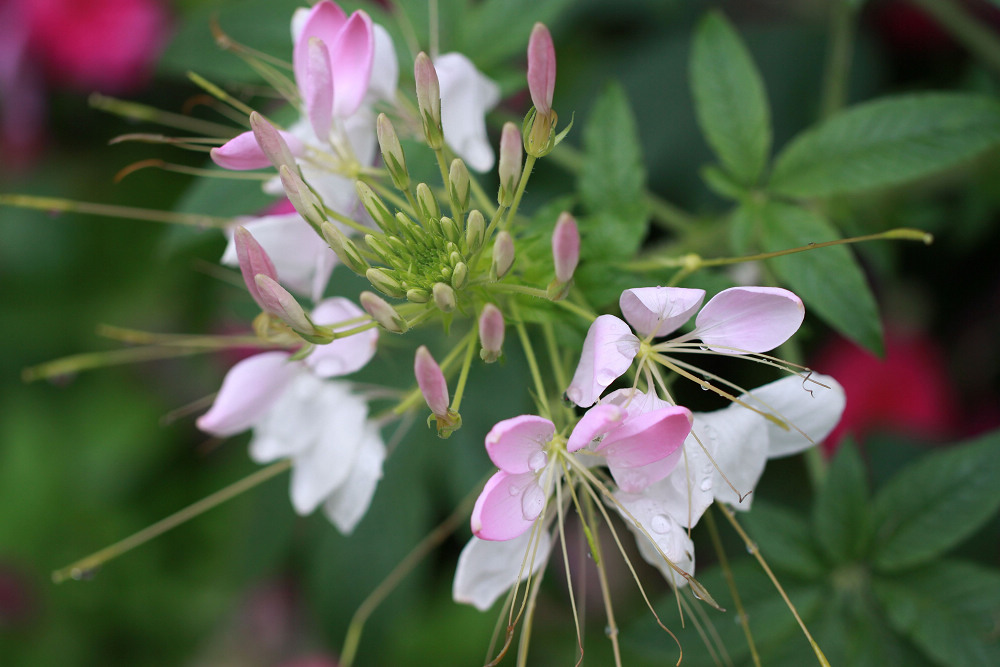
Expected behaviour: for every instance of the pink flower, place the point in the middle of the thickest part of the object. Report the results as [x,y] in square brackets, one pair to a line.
[541,68]
[736,321]
[530,457]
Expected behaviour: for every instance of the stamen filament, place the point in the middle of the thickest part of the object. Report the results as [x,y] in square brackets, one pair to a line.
[54,204]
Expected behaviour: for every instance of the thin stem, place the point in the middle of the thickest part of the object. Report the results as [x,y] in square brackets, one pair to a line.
[463,376]
[838,58]
[755,550]
[136,111]
[529,353]
[85,567]
[555,359]
[402,569]
[518,289]
[529,164]
[602,577]
[53,204]
[713,532]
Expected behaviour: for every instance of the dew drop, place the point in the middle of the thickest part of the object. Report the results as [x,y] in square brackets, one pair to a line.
[513,490]
[83,574]
[704,387]
[752,548]
[660,524]
[706,484]
[537,461]
[532,502]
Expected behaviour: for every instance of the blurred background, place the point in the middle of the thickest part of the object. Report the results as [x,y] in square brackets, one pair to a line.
[88,458]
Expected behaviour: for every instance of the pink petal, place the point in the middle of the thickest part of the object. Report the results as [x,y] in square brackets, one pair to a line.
[635,402]
[655,437]
[324,21]
[240,153]
[343,355]
[249,388]
[431,381]
[608,351]
[499,513]
[749,319]
[596,421]
[351,58]
[517,445]
[541,68]
[659,310]
[317,88]
[565,247]
[252,259]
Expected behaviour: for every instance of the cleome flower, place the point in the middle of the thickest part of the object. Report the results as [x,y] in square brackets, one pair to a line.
[297,412]
[722,460]
[736,321]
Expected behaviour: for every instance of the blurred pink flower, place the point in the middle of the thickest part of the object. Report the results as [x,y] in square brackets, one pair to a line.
[106,45]
[907,392]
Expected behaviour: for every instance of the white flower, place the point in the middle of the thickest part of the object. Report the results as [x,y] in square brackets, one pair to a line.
[466,96]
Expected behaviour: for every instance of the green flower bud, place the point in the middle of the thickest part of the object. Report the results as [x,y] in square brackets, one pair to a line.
[392,152]
[344,248]
[417,295]
[450,230]
[503,255]
[475,231]
[427,206]
[510,163]
[376,208]
[458,186]
[383,282]
[428,100]
[460,276]
[444,297]
[380,311]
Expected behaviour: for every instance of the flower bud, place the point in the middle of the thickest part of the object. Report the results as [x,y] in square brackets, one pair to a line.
[306,203]
[491,330]
[271,142]
[458,186]
[253,260]
[444,297]
[475,230]
[510,163]
[383,282]
[279,302]
[344,248]
[376,208]
[431,381]
[460,276]
[380,311]
[427,206]
[450,230]
[503,255]
[541,69]
[385,253]
[429,99]
[411,229]
[417,295]
[392,152]
[565,247]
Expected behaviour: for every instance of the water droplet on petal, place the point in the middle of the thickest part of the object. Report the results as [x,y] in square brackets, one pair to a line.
[513,490]
[537,461]
[660,524]
[532,502]
[706,484]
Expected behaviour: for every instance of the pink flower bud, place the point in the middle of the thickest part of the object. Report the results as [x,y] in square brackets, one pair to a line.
[431,381]
[503,255]
[428,99]
[565,247]
[253,260]
[271,142]
[510,163]
[491,330]
[541,69]
[279,302]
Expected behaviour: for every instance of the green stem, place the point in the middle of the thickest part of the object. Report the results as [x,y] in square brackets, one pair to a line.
[463,376]
[81,569]
[529,353]
[838,58]
[53,204]
[529,164]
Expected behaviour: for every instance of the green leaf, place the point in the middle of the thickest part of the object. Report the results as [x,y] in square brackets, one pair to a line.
[840,514]
[935,503]
[887,142]
[730,100]
[949,609]
[829,280]
[612,180]
[785,540]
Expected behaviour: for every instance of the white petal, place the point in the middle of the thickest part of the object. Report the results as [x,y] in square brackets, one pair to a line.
[487,569]
[289,426]
[347,504]
[466,96]
[385,68]
[608,351]
[343,355]
[737,438]
[322,467]
[659,310]
[809,408]
[660,526]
